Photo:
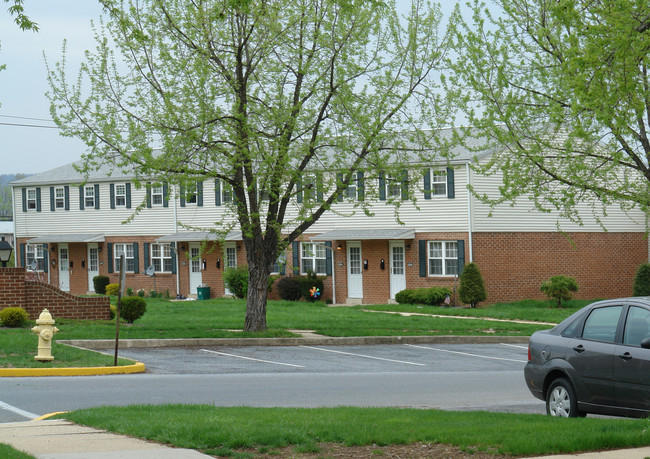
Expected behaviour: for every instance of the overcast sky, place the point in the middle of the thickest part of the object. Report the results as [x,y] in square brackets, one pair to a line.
[38,146]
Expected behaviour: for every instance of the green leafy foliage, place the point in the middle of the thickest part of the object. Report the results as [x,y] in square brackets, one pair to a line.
[112,289]
[289,288]
[472,289]
[311,287]
[100,283]
[132,308]
[642,280]
[14,317]
[559,288]
[432,296]
[236,279]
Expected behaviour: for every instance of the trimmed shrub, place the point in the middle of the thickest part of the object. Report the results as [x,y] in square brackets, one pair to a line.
[311,287]
[236,279]
[133,307]
[112,289]
[289,288]
[432,296]
[559,288]
[14,317]
[100,283]
[642,280]
[472,289]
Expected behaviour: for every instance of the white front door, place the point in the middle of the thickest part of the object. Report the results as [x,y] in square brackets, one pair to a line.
[355,271]
[397,268]
[196,277]
[93,265]
[230,254]
[64,268]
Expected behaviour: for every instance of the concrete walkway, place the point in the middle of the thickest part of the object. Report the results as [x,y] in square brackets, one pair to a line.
[59,439]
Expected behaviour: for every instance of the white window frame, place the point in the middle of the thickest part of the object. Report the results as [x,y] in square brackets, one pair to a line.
[157,195]
[89,196]
[161,258]
[59,197]
[31,199]
[438,182]
[192,194]
[313,255]
[35,252]
[129,256]
[442,258]
[119,194]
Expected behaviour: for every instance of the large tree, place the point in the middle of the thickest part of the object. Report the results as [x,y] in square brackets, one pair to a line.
[560,91]
[283,101]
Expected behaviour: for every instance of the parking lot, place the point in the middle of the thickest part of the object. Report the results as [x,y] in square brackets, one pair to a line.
[332,359]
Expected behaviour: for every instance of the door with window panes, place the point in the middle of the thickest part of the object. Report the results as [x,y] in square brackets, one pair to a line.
[196,276]
[64,268]
[355,271]
[93,265]
[397,268]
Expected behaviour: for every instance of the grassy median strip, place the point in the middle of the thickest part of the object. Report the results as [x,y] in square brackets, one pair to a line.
[232,431]
[8,452]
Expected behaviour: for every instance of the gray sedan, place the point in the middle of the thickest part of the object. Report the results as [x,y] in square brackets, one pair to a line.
[596,361]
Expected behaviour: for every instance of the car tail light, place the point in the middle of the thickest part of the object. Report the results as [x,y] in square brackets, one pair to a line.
[529,359]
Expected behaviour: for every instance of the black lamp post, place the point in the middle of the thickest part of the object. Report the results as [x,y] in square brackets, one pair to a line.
[5,252]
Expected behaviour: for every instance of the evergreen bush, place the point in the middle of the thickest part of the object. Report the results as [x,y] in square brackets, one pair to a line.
[14,317]
[100,283]
[642,280]
[472,288]
[236,279]
[433,296]
[289,288]
[112,289]
[132,308]
[559,288]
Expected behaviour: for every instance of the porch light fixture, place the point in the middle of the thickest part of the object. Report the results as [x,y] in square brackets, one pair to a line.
[5,252]
[339,247]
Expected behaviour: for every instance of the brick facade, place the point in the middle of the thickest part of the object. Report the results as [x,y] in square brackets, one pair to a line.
[34,296]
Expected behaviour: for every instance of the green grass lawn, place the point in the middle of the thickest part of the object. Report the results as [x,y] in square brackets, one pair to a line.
[237,431]
[221,318]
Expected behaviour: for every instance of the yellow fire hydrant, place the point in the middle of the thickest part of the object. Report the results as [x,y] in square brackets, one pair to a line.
[45,330]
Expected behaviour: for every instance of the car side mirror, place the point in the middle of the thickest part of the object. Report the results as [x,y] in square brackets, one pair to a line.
[645,343]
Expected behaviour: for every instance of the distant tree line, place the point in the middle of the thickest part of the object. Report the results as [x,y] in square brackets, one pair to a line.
[5,194]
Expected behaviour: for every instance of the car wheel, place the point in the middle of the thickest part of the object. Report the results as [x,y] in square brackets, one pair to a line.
[561,399]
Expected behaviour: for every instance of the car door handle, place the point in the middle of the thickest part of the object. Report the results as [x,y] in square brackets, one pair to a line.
[626,356]
[579,348]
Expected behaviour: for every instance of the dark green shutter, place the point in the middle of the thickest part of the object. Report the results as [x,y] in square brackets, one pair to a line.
[199,194]
[173,244]
[128,195]
[339,181]
[109,256]
[319,188]
[82,198]
[46,255]
[299,187]
[328,258]
[405,185]
[22,255]
[148,195]
[461,256]
[147,261]
[422,256]
[24,199]
[165,194]
[52,206]
[96,196]
[451,192]
[382,186]
[38,199]
[427,183]
[66,191]
[182,196]
[295,247]
[112,186]
[136,258]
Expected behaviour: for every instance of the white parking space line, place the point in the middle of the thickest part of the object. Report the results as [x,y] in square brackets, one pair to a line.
[517,346]
[365,356]
[23,413]
[466,353]
[255,360]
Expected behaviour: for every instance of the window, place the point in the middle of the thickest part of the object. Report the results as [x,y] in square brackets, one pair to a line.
[157,195]
[309,185]
[393,187]
[192,194]
[161,257]
[602,323]
[636,326]
[31,198]
[443,258]
[36,253]
[354,190]
[59,198]
[438,183]
[128,252]
[313,258]
[89,196]
[120,195]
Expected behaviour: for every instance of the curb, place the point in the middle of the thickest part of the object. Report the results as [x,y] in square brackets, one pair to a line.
[81,371]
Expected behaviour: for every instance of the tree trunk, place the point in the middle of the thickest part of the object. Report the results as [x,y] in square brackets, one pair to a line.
[256,301]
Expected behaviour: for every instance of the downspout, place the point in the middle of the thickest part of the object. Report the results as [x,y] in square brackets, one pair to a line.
[178,272]
[470,223]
